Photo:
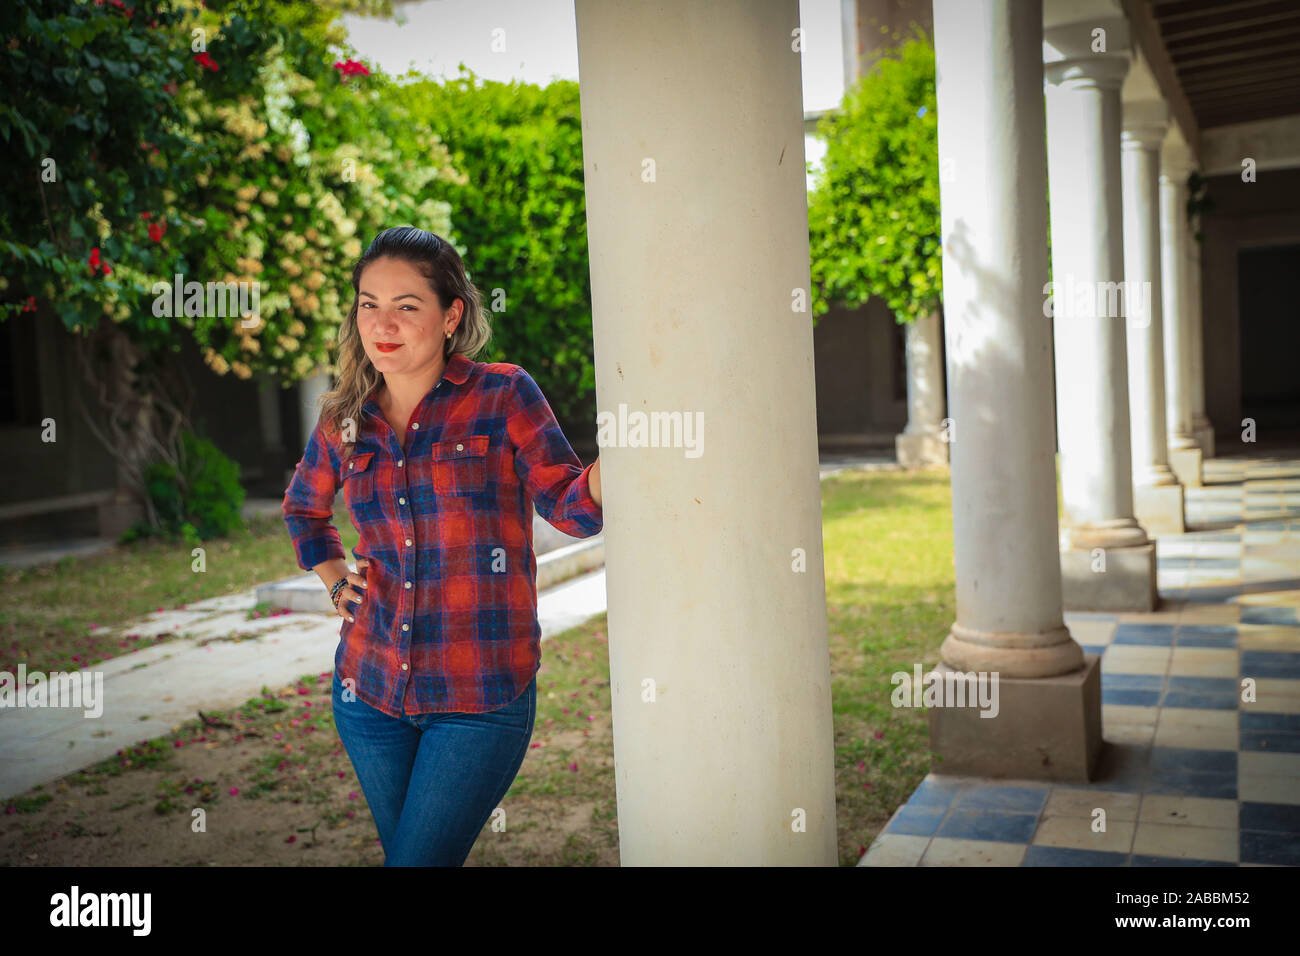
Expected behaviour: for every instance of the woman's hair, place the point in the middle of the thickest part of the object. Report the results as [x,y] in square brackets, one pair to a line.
[437,261]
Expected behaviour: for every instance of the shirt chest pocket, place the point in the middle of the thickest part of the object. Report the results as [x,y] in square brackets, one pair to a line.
[358,478]
[459,465]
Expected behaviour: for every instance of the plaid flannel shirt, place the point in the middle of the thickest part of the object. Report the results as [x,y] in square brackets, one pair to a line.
[449,619]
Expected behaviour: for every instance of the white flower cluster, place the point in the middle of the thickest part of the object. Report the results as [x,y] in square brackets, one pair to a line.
[279,102]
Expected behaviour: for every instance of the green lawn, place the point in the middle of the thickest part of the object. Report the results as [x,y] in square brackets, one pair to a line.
[889,594]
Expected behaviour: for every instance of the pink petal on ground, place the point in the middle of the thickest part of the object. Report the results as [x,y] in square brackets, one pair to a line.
[291,838]
[573,767]
[879,735]
[234,791]
[861,765]
[353,795]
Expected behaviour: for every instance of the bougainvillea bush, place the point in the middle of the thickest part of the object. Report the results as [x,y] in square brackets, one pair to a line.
[221,142]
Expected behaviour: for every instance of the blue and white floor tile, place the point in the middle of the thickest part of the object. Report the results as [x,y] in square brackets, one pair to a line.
[1192,774]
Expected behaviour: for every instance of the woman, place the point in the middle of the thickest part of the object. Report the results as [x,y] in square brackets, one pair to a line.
[438,457]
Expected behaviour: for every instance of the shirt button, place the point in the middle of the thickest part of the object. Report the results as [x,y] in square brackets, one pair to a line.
[415,424]
[351,465]
[399,462]
[401,501]
[406,627]
[404,667]
[408,584]
[460,447]
[408,542]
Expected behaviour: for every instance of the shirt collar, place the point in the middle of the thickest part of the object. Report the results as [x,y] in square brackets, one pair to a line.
[456,371]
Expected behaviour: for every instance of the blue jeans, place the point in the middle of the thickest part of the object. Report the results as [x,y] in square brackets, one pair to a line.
[433,780]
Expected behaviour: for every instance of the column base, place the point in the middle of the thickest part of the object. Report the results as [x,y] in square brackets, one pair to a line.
[1160,508]
[1204,435]
[1109,579]
[1186,464]
[1046,728]
[919,450]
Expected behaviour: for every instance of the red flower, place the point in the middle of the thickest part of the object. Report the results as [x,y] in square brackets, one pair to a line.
[204,59]
[170,88]
[145,215]
[351,67]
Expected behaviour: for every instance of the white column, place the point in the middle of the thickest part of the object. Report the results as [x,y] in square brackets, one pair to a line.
[1201,426]
[692,123]
[310,389]
[921,442]
[1092,401]
[989,72]
[1184,454]
[999,350]
[1157,493]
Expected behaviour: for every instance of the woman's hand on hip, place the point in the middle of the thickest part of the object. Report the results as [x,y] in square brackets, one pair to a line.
[354,592]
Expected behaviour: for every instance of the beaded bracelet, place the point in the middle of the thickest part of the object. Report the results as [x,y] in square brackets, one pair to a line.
[334,591]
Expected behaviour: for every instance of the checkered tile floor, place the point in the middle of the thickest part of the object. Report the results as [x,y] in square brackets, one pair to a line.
[1192,775]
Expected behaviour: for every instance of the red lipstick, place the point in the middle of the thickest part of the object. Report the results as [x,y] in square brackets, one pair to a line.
[388,346]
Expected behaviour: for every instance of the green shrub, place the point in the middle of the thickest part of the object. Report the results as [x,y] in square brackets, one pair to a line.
[203,499]
[873,215]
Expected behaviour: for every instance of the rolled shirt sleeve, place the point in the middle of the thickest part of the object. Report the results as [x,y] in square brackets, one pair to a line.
[308,506]
[546,464]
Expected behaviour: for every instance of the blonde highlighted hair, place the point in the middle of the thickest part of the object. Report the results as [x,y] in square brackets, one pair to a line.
[438,261]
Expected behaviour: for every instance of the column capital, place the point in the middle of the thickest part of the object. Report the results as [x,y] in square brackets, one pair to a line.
[1145,124]
[1176,163]
[1099,71]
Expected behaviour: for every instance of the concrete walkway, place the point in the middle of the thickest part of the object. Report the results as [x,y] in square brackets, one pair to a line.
[224,659]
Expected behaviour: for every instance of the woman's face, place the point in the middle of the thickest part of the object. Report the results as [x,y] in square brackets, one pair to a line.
[403,327]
